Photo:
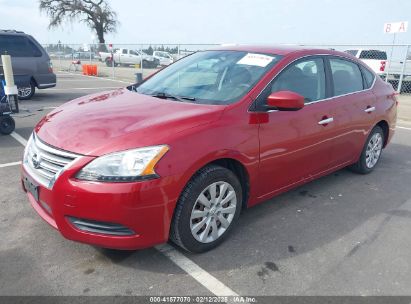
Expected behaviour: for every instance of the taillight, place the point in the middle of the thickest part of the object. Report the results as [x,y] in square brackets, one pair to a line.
[382,66]
[50,67]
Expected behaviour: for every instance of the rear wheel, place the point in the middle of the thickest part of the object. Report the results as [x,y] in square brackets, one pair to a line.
[26,93]
[7,124]
[207,210]
[371,152]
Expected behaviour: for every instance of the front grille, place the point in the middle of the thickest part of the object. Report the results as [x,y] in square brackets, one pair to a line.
[45,163]
[100,227]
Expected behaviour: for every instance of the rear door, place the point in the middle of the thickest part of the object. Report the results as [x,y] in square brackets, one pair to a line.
[124,57]
[354,107]
[296,145]
[134,57]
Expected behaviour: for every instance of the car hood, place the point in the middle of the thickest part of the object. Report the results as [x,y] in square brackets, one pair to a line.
[119,120]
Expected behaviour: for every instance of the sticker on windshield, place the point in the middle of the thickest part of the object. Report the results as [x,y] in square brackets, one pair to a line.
[256,60]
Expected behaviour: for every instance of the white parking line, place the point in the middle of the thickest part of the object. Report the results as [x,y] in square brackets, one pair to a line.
[10,164]
[195,271]
[404,128]
[192,269]
[19,138]
[95,88]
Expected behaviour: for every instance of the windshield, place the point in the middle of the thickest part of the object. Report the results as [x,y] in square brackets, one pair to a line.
[209,77]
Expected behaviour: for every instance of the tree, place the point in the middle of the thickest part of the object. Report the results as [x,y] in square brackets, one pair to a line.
[96,14]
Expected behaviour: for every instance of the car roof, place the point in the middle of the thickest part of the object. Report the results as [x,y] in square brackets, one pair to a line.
[12,32]
[277,50]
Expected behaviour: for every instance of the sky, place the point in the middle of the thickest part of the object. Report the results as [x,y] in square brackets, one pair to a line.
[225,21]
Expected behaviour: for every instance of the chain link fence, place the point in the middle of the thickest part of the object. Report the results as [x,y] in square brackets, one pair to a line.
[128,62]
[390,62]
[124,62]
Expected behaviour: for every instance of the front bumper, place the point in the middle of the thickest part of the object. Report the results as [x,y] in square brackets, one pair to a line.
[144,208]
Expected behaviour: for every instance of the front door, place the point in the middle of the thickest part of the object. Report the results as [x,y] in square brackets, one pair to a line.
[295,145]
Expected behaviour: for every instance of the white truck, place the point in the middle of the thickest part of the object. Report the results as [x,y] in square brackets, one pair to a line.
[165,58]
[375,59]
[378,62]
[396,68]
[128,57]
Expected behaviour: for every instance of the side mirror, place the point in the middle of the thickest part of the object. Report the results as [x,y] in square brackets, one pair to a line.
[285,101]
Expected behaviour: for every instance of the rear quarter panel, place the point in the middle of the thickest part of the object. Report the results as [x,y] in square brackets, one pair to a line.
[386,105]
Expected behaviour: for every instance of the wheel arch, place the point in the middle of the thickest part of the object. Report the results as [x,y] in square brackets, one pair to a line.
[240,171]
[232,163]
[386,129]
[34,81]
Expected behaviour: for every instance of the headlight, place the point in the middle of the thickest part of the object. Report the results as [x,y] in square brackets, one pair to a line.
[126,166]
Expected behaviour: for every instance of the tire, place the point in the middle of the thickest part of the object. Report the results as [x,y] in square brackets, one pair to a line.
[26,93]
[198,234]
[145,64]
[108,62]
[370,157]
[7,124]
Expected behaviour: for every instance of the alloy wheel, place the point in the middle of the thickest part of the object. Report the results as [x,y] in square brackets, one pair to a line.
[373,152]
[24,92]
[213,212]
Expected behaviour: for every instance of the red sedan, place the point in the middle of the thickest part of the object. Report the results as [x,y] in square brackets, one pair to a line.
[179,155]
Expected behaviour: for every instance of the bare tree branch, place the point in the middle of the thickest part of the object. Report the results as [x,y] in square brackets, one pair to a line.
[96,14]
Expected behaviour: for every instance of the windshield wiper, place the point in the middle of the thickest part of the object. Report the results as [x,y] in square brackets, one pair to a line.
[168,96]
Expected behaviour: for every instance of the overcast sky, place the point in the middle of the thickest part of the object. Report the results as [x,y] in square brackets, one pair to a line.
[225,21]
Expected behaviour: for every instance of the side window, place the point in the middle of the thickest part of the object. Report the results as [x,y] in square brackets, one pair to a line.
[306,78]
[35,49]
[346,75]
[124,51]
[17,46]
[368,77]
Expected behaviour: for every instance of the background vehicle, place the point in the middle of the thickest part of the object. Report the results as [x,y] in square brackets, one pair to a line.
[395,67]
[165,58]
[29,60]
[129,57]
[375,59]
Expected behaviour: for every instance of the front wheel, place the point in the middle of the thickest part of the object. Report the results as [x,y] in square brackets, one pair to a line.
[207,210]
[26,93]
[371,152]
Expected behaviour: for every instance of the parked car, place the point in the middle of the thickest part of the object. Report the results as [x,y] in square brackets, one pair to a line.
[180,155]
[164,58]
[375,59]
[129,57]
[29,60]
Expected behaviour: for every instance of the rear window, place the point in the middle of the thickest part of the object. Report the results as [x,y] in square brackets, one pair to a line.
[368,77]
[346,75]
[373,54]
[18,46]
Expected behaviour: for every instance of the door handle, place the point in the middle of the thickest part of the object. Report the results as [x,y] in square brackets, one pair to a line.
[326,121]
[369,109]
